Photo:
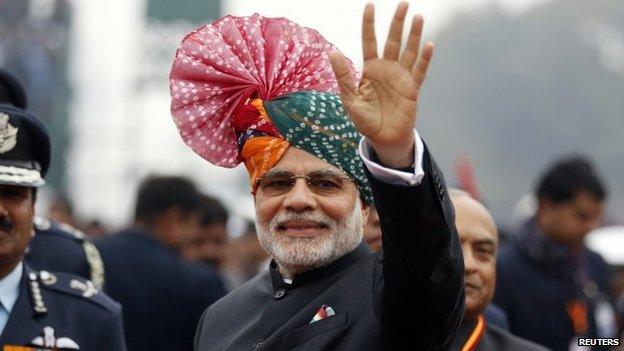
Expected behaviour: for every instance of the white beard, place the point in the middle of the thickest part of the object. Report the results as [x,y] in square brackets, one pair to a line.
[298,254]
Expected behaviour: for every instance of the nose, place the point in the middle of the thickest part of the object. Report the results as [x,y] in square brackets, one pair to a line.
[469,262]
[300,198]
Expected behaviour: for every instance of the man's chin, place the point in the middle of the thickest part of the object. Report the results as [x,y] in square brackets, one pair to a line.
[303,251]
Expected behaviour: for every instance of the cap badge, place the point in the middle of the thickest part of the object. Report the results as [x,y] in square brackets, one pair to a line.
[8,134]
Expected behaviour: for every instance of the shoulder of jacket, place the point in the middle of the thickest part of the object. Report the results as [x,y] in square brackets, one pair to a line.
[49,226]
[46,226]
[73,286]
[513,342]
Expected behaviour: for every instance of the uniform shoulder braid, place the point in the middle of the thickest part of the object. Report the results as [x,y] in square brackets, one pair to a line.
[73,285]
[48,226]
[68,233]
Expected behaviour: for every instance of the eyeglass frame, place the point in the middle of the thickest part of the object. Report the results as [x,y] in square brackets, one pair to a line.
[292,178]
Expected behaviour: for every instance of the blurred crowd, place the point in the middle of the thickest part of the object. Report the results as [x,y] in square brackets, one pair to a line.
[542,266]
[184,250]
[534,286]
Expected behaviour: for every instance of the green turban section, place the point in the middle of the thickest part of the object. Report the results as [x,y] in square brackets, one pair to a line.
[317,123]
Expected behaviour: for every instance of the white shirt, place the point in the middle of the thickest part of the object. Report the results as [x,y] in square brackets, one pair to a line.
[9,291]
[393,176]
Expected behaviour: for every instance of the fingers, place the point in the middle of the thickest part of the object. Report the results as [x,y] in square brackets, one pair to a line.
[345,79]
[419,71]
[393,44]
[369,41]
[413,43]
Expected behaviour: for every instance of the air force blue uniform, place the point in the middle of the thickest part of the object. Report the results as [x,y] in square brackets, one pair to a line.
[63,312]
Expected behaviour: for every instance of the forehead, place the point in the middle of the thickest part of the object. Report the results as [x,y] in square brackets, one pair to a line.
[298,161]
[473,221]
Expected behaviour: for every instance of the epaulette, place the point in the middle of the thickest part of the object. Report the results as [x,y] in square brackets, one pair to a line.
[43,224]
[76,286]
[96,266]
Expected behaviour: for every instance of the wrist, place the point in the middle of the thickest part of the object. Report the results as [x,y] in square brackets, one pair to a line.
[396,157]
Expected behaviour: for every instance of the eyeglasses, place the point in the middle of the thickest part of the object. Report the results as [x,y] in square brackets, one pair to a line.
[325,183]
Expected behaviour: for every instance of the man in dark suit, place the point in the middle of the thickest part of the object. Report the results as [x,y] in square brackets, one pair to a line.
[324,289]
[479,239]
[40,310]
[563,280]
[163,296]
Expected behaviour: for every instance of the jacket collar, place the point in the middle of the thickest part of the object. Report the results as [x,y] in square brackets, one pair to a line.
[22,320]
[361,251]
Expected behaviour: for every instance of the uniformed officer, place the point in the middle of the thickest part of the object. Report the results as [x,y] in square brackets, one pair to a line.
[39,309]
[80,256]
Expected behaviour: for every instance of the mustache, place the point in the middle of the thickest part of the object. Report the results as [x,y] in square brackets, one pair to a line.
[5,224]
[315,217]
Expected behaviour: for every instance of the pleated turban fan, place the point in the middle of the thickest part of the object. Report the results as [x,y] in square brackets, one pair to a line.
[245,89]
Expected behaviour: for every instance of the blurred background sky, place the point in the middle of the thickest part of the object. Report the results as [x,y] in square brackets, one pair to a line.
[514,84]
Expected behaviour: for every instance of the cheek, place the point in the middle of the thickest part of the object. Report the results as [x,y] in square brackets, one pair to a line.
[488,274]
[23,215]
[337,210]
[22,220]
[266,209]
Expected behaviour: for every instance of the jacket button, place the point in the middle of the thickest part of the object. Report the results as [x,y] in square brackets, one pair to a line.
[279,293]
[257,344]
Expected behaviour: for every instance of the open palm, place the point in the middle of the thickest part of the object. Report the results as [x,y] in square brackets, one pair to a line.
[383,107]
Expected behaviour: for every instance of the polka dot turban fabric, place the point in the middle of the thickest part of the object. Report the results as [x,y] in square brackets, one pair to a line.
[244,89]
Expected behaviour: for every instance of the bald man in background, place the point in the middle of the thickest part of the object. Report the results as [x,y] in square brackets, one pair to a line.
[479,240]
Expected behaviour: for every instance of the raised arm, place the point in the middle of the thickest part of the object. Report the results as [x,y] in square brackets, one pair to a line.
[383,106]
[421,300]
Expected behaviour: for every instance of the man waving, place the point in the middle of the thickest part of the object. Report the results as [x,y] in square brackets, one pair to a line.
[284,101]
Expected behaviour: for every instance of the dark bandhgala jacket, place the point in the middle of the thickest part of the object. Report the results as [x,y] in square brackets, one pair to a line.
[408,297]
[478,335]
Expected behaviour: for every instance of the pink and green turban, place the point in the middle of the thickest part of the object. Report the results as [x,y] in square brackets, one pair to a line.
[245,89]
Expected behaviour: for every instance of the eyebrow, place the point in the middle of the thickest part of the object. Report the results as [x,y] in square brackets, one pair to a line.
[322,172]
[277,173]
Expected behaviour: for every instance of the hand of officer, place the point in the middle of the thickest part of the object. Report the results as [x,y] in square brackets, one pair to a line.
[383,107]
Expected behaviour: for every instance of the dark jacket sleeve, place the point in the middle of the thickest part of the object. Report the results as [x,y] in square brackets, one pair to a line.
[113,335]
[422,301]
